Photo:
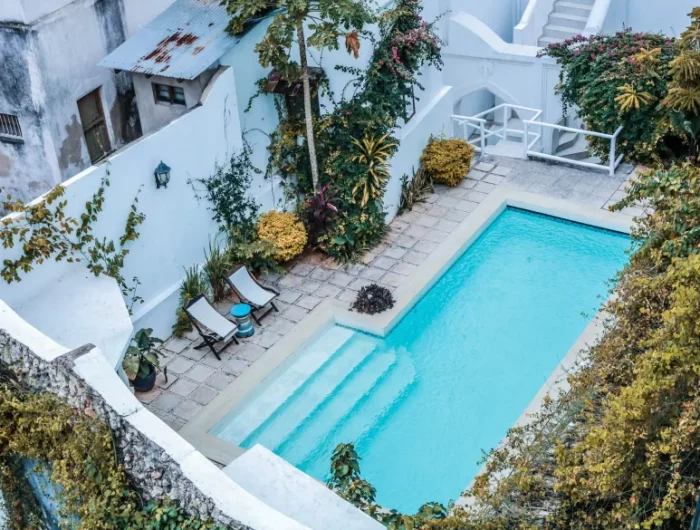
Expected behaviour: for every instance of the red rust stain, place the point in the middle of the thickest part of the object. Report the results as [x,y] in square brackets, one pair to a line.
[198,50]
[161,53]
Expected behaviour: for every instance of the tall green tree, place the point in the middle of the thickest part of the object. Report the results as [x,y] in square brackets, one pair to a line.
[327,21]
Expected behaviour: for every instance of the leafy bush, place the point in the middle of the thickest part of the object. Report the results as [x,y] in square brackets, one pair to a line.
[285,231]
[320,210]
[192,286]
[415,190]
[77,452]
[142,356]
[373,299]
[227,192]
[257,255]
[217,265]
[447,160]
[621,79]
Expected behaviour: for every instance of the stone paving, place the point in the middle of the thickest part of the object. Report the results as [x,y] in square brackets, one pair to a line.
[195,377]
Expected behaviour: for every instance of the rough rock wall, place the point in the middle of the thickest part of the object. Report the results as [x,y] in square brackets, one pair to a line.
[148,465]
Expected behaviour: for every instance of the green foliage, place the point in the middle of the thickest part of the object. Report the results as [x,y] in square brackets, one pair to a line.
[447,160]
[285,232]
[227,192]
[621,79]
[44,231]
[257,255]
[415,190]
[375,154]
[77,451]
[142,356]
[192,286]
[217,265]
[406,43]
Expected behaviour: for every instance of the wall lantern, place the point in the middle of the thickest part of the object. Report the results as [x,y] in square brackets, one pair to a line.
[162,174]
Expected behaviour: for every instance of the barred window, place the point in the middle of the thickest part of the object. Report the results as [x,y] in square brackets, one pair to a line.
[10,128]
[175,95]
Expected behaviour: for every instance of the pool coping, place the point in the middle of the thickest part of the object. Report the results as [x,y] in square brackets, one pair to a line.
[330,312]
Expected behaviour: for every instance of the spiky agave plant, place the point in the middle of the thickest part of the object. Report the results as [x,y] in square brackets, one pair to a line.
[632,99]
[375,153]
[192,286]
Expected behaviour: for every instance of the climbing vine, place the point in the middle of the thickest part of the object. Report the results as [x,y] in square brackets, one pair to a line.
[44,231]
[76,451]
[406,43]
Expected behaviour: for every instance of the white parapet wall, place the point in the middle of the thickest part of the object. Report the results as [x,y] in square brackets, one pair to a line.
[157,459]
[531,25]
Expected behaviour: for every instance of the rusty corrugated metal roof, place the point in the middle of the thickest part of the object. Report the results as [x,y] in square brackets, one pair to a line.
[182,42]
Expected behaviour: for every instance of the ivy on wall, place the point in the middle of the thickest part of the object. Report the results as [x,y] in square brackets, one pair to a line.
[77,451]
[44,231]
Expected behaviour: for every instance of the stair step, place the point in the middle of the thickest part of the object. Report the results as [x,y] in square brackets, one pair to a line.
[263,403]
[317,427]
[543,42]
[572,21]
[362,420]
[566,140]
[313,393]
[573,8]
[562,32]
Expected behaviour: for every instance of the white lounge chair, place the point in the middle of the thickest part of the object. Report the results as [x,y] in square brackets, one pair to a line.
[217,328]
[250,291]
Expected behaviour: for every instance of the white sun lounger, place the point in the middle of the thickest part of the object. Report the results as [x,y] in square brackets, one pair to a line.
[251,292]
[217,328]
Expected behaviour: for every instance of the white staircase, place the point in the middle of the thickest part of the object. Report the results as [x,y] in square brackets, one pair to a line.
[567,19]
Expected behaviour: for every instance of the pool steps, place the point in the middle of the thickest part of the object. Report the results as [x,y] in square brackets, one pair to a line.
[359,422]
[313,392]
[337,405]
[257,409]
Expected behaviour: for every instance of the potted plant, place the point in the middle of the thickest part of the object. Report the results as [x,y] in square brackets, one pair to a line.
[141,363]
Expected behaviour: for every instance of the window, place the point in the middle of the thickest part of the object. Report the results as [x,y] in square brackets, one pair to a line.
[10,129]
[92,117]
[173,95]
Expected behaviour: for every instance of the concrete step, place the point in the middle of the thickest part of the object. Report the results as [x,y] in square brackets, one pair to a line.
[567,140]
[577,151]
[316,427]
[573,8]
[543,42]
[559,32]
[506,148]
[314,392]
[361,420]
[575,22]
[286,489]
[262,404]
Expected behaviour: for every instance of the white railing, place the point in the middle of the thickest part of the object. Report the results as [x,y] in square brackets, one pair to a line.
[478,122]
[529,138]
[614,160]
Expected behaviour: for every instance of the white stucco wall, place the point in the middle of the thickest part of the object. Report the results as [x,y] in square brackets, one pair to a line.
[670,18]
[177,226]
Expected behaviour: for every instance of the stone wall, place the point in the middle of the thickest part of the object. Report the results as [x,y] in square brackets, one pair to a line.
[156,459]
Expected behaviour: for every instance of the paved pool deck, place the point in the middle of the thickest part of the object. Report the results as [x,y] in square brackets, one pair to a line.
[195,377]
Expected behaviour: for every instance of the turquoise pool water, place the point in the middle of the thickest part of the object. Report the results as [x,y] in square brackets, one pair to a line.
[452,377]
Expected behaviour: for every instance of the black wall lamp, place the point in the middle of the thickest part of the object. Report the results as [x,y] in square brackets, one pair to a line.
[162,174]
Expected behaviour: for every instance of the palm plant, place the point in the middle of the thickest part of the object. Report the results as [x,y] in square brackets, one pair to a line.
[375,154]
[192,286]
[217,265]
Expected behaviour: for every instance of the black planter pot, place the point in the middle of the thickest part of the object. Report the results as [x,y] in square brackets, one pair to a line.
[145,384]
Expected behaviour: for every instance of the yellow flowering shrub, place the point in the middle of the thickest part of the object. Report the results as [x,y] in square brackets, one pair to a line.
[447,159]
[285,231]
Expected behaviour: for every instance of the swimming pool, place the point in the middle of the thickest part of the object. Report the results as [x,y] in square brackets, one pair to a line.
[450,379]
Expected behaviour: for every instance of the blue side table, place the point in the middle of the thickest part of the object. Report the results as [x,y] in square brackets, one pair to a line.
[241,312]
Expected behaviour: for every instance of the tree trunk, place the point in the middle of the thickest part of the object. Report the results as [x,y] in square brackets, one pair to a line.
[308,111]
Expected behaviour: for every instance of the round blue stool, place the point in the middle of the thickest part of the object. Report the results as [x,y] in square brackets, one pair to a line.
[241,312]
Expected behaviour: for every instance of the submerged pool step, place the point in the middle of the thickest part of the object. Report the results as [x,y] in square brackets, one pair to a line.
[362,418]
[316,427]
[263,403]
[313,393]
